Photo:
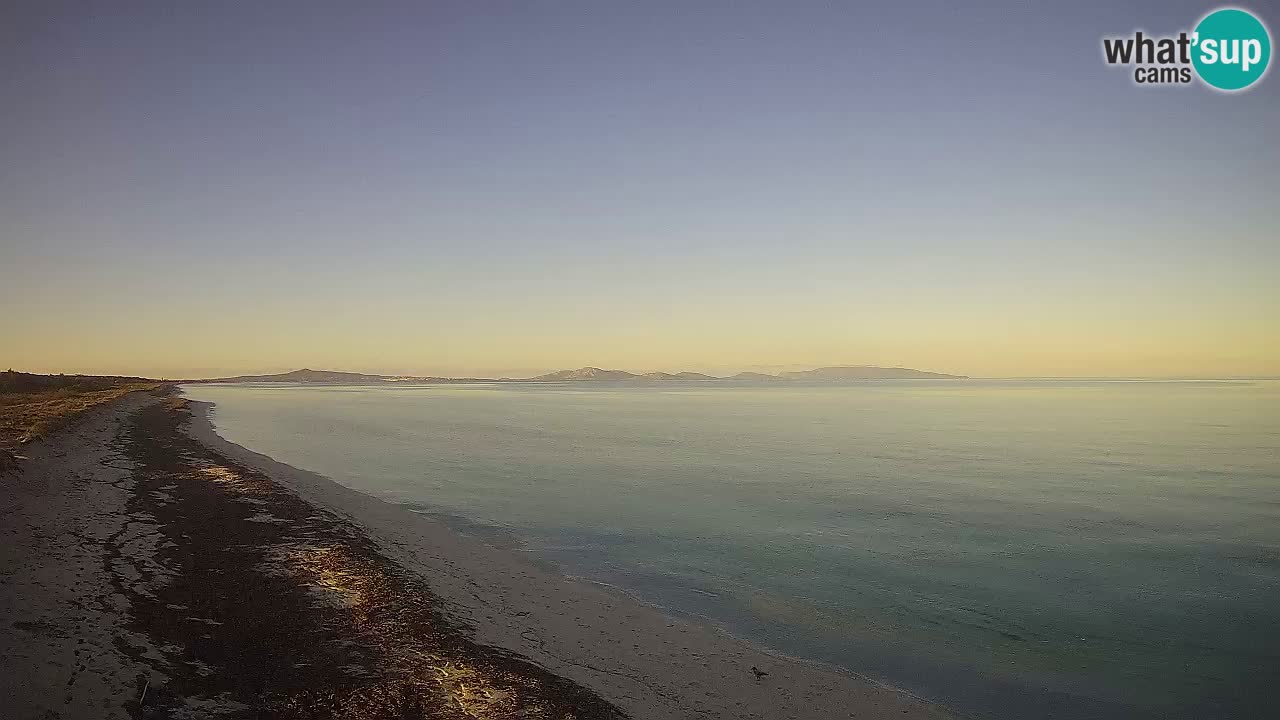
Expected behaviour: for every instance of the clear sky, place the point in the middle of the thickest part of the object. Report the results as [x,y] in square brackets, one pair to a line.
[507,187]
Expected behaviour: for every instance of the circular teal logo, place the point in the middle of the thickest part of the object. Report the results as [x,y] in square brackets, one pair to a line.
[1231,49]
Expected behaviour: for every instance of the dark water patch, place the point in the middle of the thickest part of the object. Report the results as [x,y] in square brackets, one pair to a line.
[493,535]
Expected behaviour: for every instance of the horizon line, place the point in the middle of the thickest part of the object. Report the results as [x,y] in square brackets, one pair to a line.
[776,374]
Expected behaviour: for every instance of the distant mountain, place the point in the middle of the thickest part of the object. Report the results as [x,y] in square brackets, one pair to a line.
[755,377]
[331,377]
[866,372]
[305,375]
[677,376]
[585,373]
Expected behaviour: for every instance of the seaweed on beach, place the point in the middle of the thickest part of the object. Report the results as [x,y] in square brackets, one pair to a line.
[265,606]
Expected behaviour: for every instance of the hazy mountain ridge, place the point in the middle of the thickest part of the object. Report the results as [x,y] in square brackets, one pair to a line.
[307,375]
[755,377]
[595,374]
[865,372]
[335,377]
[584,373]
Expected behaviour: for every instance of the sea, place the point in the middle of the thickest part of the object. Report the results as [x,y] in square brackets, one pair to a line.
[1008,548]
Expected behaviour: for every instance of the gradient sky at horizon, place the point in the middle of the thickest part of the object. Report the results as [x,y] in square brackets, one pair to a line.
[507,188]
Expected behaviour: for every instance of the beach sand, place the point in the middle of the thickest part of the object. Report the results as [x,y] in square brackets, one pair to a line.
[153,569]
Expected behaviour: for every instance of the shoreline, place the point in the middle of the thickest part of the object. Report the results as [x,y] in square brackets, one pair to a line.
[662,633]
[154,569]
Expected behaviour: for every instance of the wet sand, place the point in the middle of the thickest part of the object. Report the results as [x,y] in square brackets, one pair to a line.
[152,569]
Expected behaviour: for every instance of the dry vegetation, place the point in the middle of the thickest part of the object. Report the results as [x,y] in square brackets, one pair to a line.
[32,406]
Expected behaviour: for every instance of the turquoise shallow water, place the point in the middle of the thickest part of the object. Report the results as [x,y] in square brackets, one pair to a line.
[1067,549]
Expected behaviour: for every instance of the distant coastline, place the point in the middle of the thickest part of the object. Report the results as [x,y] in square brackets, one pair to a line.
[835,373]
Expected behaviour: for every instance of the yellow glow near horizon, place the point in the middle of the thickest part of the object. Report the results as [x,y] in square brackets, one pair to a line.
[1069,337]
[993,317]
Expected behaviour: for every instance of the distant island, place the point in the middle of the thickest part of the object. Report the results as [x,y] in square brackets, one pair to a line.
[334,377]
[836,373]
[866,372]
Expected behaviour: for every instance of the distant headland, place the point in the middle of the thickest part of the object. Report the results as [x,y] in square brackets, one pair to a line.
[594,374]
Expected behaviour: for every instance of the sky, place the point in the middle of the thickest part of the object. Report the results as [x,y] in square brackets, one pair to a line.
[500,188]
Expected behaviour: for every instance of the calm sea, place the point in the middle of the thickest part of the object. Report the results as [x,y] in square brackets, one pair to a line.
[1013,549]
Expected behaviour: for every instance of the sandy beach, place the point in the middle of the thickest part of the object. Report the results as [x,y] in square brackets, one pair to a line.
[152,569]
